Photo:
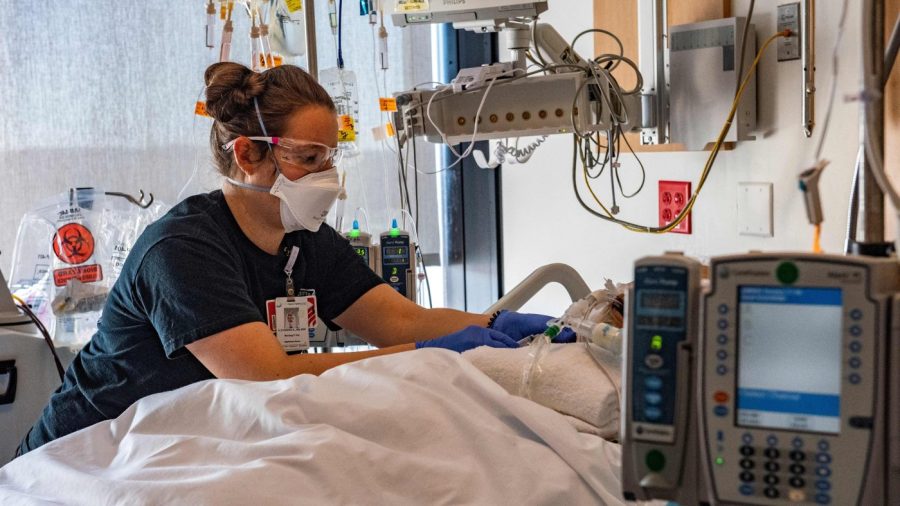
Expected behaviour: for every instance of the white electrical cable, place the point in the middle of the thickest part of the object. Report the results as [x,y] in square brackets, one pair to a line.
[520,155]
[614,86]
[504,150]
[471,146]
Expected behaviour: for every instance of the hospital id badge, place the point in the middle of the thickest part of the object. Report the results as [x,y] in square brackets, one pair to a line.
[294,320]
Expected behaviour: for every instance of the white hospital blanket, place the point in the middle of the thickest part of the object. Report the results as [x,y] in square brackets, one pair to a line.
[423,427]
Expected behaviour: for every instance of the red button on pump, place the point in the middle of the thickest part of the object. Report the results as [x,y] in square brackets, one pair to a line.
[721,396]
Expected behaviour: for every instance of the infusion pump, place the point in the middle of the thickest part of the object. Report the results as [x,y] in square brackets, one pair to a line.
[778,384]
[393,259]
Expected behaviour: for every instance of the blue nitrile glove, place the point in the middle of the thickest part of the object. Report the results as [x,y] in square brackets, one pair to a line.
[468,338]
[521,325]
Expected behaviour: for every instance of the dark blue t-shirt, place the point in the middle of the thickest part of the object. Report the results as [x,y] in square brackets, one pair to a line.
[191,274]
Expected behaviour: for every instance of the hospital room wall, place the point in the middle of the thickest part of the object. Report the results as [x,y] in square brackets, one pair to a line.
[543,223]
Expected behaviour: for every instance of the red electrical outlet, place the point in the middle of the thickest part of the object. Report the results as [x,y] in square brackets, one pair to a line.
[673,196]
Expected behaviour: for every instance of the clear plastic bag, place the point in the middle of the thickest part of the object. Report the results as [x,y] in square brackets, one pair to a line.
[70,249]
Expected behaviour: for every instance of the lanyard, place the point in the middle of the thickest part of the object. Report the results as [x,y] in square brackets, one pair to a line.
[289,269]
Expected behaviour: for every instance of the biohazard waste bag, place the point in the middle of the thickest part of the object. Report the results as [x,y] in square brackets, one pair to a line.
[69,252]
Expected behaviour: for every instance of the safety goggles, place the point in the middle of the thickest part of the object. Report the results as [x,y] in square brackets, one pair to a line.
[312,156]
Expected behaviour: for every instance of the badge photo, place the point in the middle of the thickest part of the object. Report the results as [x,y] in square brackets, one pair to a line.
[292,324]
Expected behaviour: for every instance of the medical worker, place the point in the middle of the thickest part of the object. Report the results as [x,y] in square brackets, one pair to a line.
[195,298]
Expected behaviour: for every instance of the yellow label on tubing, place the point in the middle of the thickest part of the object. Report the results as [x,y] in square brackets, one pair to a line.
[277,60]
[389,129]
[293,5]
[412,5]
[346,130]
[200,109]
[387,104]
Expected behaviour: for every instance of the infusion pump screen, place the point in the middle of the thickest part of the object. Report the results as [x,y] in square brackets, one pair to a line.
[789,358]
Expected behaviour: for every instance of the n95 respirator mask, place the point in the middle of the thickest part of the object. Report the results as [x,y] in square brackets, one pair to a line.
[305,203]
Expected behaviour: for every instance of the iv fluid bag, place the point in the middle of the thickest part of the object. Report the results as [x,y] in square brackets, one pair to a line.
[288,30]
[341,85]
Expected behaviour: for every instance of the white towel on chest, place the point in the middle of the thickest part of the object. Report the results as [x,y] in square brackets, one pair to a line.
[571,382]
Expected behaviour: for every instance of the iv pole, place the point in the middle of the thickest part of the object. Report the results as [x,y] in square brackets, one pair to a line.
[865,233]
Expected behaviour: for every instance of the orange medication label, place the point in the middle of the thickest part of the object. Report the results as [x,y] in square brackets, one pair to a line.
[346,128]
[387,104]
[389,128]
[200,109]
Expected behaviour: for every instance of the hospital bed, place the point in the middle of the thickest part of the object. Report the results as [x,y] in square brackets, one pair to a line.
[424,427]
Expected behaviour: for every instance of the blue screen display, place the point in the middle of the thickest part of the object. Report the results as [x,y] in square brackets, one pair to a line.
[789,358]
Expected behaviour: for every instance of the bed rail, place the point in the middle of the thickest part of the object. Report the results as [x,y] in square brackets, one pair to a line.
[563,274]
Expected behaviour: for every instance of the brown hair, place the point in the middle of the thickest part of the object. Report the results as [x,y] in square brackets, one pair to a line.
[230,91]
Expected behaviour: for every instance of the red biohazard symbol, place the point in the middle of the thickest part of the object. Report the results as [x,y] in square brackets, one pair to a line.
[73,243]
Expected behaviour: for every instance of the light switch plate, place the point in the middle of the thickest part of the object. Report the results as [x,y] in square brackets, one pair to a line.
[755,209]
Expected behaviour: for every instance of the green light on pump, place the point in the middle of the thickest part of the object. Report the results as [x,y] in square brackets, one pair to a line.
[354,232]
[720,461]
[395,230]
[656,343]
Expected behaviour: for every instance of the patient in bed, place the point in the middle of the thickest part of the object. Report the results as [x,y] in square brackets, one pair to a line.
[426,427]
[581,380]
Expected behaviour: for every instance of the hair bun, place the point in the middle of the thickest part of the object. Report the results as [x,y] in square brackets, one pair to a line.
[230,89]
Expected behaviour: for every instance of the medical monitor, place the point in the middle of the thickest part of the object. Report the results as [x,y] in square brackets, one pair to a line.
[789,358]
[410,12]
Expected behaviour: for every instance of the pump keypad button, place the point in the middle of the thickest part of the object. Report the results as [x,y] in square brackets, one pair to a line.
[747,451]
[747,464]
[797,482]
[747,477]
[823,499]
[772,467]
[797,456]
[772,493]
